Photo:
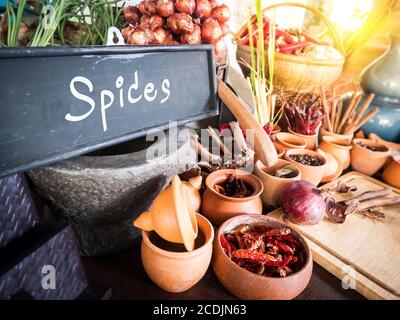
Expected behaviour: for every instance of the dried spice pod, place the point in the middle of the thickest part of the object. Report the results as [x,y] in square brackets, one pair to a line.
[132,15]
[165,8]
[202,10]
[185,6]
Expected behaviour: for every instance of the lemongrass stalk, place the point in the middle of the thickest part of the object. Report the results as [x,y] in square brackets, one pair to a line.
[260,42]
[252,52]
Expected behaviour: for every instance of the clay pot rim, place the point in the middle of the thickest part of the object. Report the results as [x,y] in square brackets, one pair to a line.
[327,139]
[342,136]
[338,172]
[261,167]
[277,128]
[282,149]
[281,135]
[251,179]
[302,152]
[368,142]
[267,221]
[302,135]
[187,254]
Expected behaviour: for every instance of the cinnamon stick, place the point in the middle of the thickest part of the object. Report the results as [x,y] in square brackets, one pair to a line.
[369,116]
[338,115]
[381,202]
[372,195]
[364,108]
[347,112]
[326,109]
[204,153]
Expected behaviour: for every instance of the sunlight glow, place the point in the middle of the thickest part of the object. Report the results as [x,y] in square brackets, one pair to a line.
[350,14]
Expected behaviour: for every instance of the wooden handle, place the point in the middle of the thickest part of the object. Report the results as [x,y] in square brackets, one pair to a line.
[263,145]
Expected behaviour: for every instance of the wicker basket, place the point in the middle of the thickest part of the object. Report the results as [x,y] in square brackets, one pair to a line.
[297,73]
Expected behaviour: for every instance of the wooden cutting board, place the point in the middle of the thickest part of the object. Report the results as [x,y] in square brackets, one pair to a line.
[360,252]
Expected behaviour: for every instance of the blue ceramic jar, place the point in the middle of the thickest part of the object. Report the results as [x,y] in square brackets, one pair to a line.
[382,77]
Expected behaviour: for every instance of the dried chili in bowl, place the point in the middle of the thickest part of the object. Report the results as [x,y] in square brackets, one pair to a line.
[234,187]
[267,251]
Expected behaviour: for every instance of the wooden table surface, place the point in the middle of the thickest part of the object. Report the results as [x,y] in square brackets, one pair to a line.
[125,275]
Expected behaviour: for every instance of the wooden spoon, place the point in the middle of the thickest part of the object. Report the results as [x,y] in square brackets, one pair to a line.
[263,145]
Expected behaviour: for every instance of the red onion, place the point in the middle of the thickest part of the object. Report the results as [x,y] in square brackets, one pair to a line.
[132,15]
[165,8]
[202,10]
[185,6]
[211,31]
[192,38]
[147,7]
[303,203]
[221,13]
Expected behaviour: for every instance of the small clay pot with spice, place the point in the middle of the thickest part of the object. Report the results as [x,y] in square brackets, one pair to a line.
[311,164]
[225,198]
[367,156]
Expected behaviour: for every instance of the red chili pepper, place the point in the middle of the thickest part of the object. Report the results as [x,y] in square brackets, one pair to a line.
[226,246]
[289,48]
[265,258]
[246,38]
[280,33]
[311,38]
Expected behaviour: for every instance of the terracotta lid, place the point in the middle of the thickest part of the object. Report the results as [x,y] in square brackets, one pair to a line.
[172,215]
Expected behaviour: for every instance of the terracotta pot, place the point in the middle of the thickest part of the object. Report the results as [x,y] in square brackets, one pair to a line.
[272,194]
[172,215]
[194,186]
[312,174]
[324,132]
[249,286]
[274,132]
[391,174]
[333,166]
[367,161]
[279,149]
[311,141]
[178,271]
[290,141]
[219,208]
[338,147]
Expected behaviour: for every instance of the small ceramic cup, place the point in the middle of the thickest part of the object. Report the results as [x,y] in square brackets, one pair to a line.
[290,141]
[279,150]
[311,141]
[368,161]
[178,271]
[338,147]
[391,174]
[275,185]
[218,207]
[345,137]
[312,174]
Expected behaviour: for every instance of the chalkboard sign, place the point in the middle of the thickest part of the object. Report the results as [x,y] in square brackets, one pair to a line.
[57,103]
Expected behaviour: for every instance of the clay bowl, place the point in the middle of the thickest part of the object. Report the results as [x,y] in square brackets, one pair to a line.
[338,147]
[178,271]
[290,141]
[279,150]
[367,161]
[275,185]
[219,208]
[333,167]
[172,215]
[312,174]
[346,137]
[310,140]
[391,174]
[249,286]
